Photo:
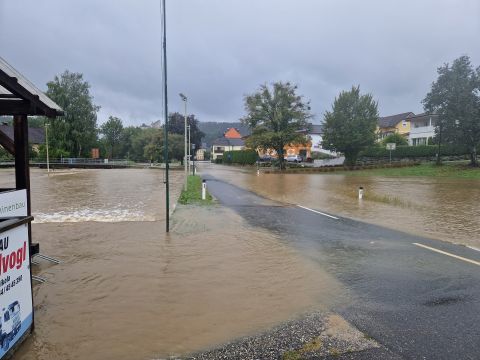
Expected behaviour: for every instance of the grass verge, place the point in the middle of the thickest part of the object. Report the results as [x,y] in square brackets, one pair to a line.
[458,170]
[193,194]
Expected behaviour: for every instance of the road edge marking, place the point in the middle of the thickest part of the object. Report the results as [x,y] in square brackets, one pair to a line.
[448,254]
[318,212]
[473,248]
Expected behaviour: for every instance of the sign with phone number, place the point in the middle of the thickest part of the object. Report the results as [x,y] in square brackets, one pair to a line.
[16,304]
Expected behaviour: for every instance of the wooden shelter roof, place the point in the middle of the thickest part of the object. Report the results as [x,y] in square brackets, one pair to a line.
[18,96]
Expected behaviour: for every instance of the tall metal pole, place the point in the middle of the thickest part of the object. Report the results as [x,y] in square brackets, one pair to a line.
[46,141]
[165,132]
[185,158]
[184,99]
[189,150]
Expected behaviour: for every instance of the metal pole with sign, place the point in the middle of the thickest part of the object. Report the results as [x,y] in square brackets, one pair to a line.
[391,146]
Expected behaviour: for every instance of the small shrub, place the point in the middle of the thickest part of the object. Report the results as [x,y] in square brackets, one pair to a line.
[241,157]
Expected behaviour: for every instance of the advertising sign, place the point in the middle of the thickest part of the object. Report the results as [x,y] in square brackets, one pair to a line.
[13,204]
[15,287]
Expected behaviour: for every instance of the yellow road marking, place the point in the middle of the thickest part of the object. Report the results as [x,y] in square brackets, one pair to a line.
[448,254]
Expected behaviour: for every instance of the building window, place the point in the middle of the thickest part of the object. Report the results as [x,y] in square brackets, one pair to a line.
[404,123]
[419,141]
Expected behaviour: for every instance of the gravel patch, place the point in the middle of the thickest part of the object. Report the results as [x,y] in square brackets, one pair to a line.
[313,336]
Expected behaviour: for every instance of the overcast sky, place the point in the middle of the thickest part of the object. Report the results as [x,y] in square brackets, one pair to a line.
[220,50]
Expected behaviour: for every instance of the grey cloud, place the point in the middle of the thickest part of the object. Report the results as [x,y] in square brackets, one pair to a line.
[220,50]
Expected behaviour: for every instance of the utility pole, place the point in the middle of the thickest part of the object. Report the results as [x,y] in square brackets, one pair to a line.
[165,132]
[184,99]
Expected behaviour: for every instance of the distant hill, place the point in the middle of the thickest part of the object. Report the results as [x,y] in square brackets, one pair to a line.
[214,130]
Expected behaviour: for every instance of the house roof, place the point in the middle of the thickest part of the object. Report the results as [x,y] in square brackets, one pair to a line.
[422,117]
[35,135]
[228,142]
[232,133]
[18,96]
[316,129]
[392,120]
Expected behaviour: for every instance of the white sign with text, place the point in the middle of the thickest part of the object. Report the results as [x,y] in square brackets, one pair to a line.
[15,287]
[13,204]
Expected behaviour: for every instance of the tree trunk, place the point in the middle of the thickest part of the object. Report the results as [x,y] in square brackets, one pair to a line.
[473,157]
[350,159]
[439,159]
[281,160]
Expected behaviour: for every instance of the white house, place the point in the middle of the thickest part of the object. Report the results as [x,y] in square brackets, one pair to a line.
[422,129]
[315,133]
[220,145]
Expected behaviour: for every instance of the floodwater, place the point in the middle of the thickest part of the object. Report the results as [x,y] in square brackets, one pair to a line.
[446,209]
[126,290]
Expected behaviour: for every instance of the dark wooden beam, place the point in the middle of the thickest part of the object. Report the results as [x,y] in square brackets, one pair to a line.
[12,85]
[22,171]
[18,107]
[7,143]
[8,96]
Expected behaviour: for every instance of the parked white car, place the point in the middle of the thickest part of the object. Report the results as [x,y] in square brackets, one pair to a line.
[294,158]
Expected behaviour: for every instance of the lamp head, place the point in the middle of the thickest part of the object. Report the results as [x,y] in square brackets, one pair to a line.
[183,97]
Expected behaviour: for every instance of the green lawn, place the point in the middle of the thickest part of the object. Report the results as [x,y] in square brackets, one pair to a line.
[193,195]
[447,170]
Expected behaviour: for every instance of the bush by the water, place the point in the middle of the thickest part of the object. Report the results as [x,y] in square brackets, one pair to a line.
[415,151]
[241,157]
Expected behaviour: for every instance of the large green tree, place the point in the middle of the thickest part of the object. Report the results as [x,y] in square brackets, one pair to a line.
[112,131]
[176,125]
[76,132]
[276,116]
[455,97]
[350,126]
[395,138]
[154,149]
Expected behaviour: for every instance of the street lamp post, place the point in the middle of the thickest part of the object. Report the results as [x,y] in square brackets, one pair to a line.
[189,149]
[184,99]
[193,159]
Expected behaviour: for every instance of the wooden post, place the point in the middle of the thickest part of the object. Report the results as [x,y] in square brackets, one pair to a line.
[22,177]
[22,171]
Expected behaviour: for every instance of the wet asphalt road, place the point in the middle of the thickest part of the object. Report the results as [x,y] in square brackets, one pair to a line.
[418,303]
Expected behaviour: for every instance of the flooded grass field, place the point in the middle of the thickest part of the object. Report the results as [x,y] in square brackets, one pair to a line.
[126,290]
[440,208]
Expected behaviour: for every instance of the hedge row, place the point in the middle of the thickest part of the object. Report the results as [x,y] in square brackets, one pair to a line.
[242,157]
[415,151]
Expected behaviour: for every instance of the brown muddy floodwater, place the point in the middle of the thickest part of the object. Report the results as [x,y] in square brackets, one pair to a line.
[125,290]
[446,209]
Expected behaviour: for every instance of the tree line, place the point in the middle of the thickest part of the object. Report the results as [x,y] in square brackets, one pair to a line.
[77,132]
[279,117]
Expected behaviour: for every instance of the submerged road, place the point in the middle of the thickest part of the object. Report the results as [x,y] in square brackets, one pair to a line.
[420,298]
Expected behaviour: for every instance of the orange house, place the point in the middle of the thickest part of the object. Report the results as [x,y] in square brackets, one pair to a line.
[303,150]
[291,149]
[232,133]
